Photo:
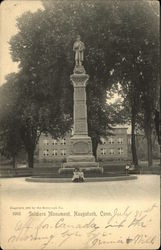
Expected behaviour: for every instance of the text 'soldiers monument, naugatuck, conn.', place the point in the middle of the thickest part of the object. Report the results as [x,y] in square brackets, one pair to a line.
[80,152]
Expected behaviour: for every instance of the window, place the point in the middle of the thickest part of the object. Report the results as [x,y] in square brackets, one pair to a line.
[54,142]
[103,151]
[120,151]
[46,142]
[111,140]
[112,151]
[63,152]
[63,142]
[103,141]
[45,152]
[120,140]
[54,152]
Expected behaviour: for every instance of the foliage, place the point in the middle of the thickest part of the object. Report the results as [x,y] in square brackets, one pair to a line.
[23,117]
[120,37]
[11,142]
[99,124]
[137,69]
[43,48]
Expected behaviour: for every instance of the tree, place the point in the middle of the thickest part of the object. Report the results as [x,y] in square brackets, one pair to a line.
[24,116]
[43,49]
[116,33]
[40,112]
[138,66]
[11,143]
[150,86]
[99,124]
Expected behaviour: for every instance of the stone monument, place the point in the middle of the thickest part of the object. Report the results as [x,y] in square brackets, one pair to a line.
[80,143]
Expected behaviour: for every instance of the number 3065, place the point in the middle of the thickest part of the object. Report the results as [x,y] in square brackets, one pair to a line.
[16,213]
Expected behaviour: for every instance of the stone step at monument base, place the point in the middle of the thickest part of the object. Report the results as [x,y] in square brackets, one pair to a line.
[87,167]
[86,158]
[83,165]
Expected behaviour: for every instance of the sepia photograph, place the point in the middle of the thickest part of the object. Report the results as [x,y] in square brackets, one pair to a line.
[80,124]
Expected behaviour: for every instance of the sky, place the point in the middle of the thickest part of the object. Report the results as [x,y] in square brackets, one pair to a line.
[9,11]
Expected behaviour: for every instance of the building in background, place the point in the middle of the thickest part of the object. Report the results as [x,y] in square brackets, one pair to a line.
[50,149]
[114,147]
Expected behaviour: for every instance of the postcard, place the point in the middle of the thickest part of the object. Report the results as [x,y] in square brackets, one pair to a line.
[79,125]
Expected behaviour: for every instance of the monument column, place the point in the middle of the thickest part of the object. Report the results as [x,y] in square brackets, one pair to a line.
[80,151]
[81,145]
[79,83]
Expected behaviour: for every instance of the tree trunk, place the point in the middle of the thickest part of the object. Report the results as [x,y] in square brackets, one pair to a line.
[149,147]
[160,155]
[94,148]
[133,143]
[30,159]
[14,161]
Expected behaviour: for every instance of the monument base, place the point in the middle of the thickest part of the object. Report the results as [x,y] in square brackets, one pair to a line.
[87,167]
[80,149]
[81,165]
[80,156]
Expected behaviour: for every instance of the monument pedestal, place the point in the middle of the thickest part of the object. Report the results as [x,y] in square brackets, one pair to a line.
[80,149]
[81,155]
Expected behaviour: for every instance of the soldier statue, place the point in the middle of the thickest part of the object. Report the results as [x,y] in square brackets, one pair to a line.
[79,48]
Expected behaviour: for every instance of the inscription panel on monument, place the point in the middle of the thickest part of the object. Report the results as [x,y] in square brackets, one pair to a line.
[81,147]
